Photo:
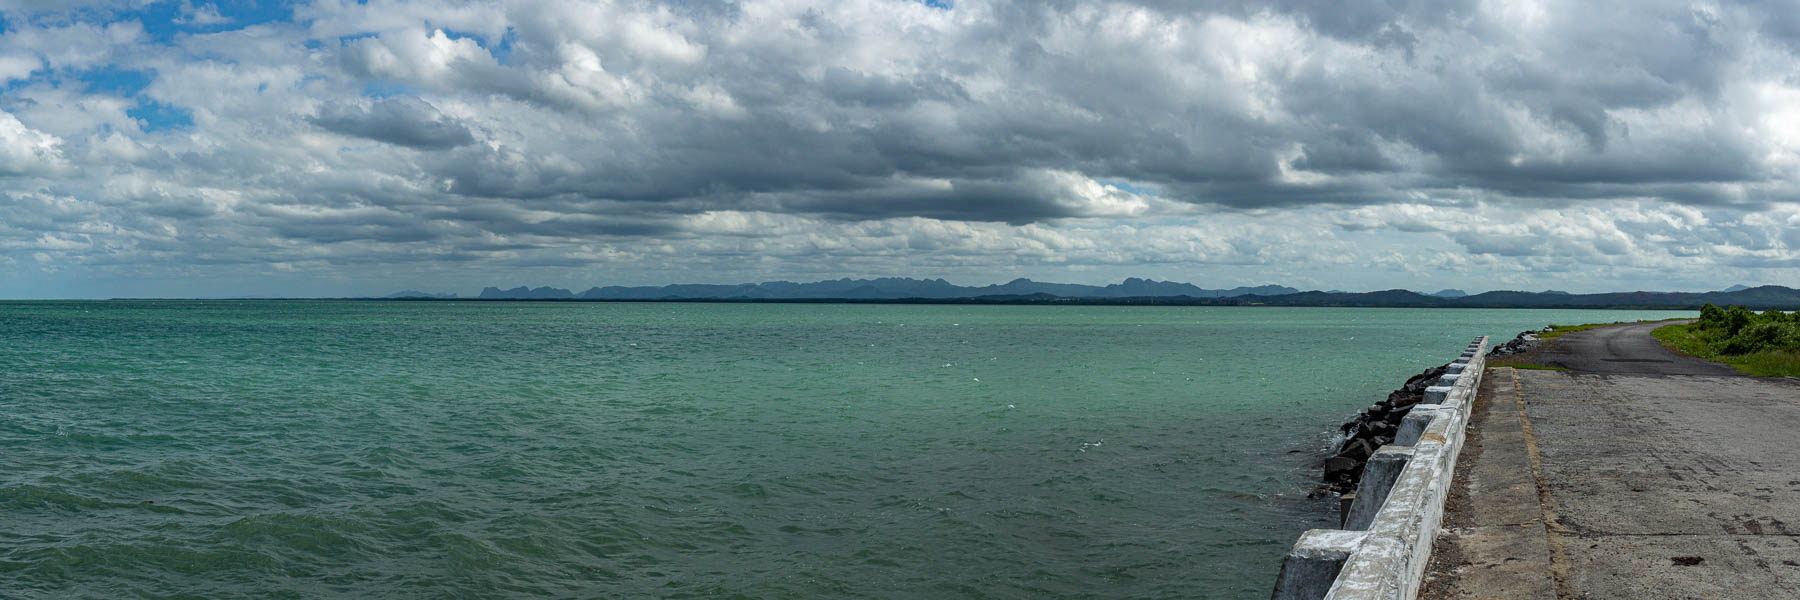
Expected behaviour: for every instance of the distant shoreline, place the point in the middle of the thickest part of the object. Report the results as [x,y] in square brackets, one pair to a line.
[1057,301]
[1139,292]
[1242,301]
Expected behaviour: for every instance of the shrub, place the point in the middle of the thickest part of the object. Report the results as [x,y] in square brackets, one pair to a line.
[1711,316]
[1737,331]
[1737,318]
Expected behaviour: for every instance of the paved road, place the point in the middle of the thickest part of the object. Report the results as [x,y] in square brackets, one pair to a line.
[1655,477]
[1624,350]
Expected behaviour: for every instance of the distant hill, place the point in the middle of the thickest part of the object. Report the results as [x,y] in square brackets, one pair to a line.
[1760,298]
[419,294]
[1144,291]
[525,293]
[1383,298]
[1736,288]
[1767,296]
[886,288]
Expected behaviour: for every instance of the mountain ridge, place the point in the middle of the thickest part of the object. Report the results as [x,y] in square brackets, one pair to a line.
[416,294]
[1134,291]
[884,288]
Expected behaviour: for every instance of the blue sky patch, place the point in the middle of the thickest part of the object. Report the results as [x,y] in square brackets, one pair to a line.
[459,35]
[161,117]
[1135,189]
[384,89]
[165,21]
[113,81]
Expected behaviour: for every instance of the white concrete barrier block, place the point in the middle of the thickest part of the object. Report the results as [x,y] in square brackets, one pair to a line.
[1379,475]
[1370,573]
[1310,569]
[1404,486]
[1414,424]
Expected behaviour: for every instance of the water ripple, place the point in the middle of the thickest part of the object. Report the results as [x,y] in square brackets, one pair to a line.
[493,450]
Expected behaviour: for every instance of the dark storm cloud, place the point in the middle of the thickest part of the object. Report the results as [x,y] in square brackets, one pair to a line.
[1017,202]
[853,87]
[688,118]
[370,223]
[399,121]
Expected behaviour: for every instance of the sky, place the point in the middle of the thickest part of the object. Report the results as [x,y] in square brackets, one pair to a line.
[341,147]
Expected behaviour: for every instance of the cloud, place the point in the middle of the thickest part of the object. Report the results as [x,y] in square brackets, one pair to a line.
[26,151]
[205,14]
[17,66]
[400,121]
[1221,141]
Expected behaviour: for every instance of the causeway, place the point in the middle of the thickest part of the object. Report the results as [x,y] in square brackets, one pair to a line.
[1636,473]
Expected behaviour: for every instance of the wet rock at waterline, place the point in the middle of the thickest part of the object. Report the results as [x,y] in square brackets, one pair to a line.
[1525,341]
[1370,430]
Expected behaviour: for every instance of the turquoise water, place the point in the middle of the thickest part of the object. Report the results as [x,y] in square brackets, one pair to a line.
[484,450]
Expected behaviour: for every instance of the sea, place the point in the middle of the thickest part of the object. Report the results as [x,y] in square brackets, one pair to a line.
[340,449]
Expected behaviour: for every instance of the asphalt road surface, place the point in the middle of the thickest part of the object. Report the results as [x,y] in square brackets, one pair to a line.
[1655,475]
[1624,350]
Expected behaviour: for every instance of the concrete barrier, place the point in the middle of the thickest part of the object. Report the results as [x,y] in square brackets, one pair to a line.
[1379,475]
[1392,523]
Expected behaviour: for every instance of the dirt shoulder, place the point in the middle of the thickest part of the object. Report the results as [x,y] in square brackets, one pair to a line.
[1493,542]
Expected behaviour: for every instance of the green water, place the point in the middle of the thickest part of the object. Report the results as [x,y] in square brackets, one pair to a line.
[485,450]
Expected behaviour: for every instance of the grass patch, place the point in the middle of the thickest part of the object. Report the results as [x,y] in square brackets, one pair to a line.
[1680,338]
[1557,331]
[1691,339]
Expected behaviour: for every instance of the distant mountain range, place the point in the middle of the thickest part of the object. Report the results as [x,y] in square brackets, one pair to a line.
[886,288]
[1134,291]
[1761,298]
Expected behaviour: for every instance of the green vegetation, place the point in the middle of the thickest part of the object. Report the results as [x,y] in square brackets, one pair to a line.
[1557,331]
[1765,344]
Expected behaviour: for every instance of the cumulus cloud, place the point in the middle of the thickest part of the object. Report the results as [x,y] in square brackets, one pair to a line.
[26,151]
[205,14]
[1485,144]
[17,66]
